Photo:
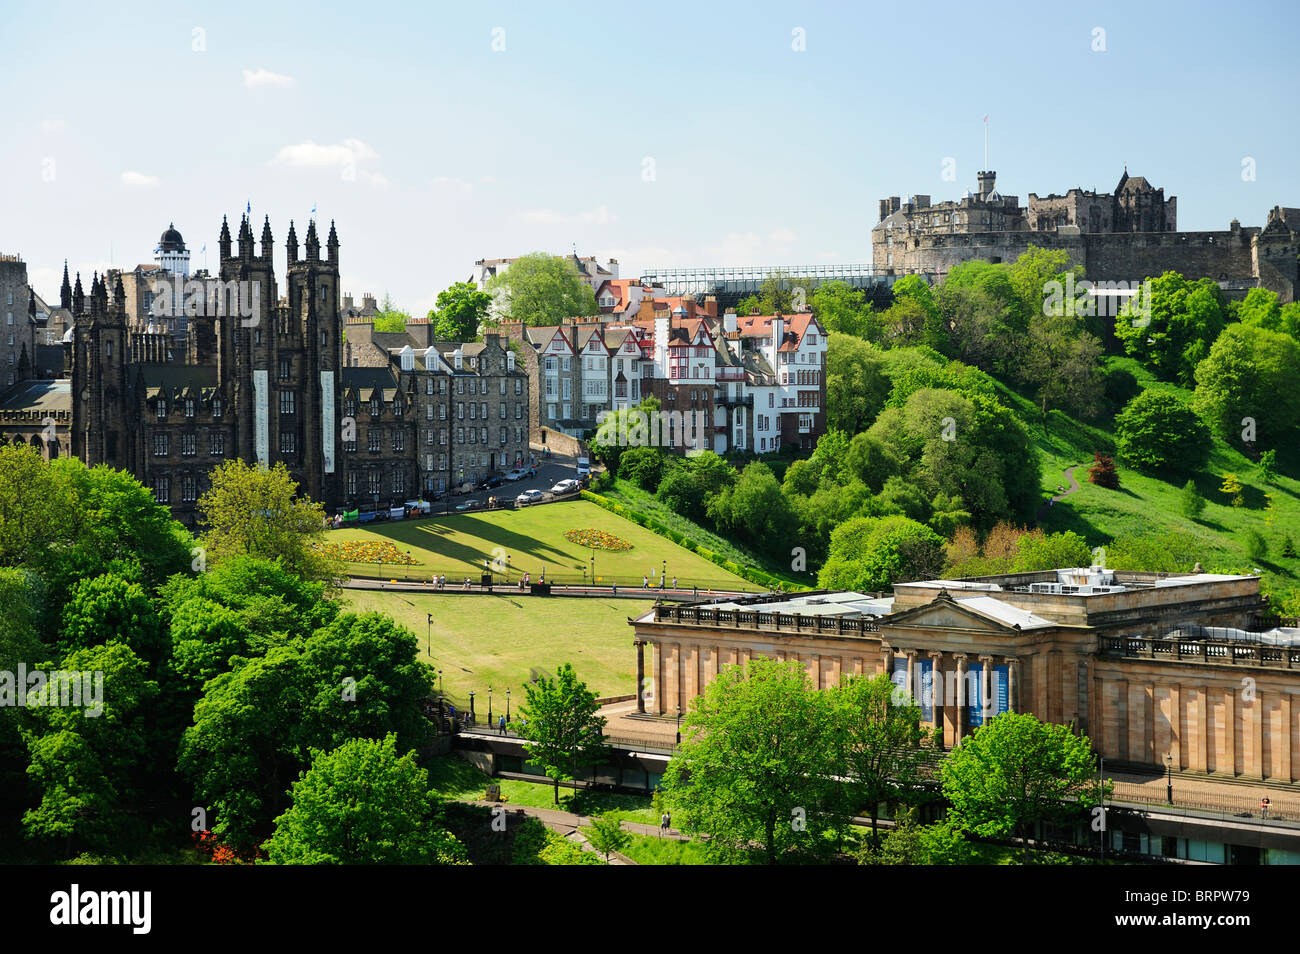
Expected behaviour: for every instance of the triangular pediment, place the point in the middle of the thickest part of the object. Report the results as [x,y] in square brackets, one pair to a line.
[947,614]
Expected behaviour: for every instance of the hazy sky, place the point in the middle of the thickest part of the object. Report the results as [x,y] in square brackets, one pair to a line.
[658,134]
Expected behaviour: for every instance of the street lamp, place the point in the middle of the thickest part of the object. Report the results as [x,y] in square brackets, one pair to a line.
[679,725]
[593,567]
[663,575]
[439,682]
[507,703]
[1169,778]
[428,637]
[471,707]
[489,707]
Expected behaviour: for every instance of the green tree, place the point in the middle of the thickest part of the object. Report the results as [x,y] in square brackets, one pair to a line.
[108,607]
[752,770]
[755,509]
[1038,551]
[362,804]
[856,387]
[1014,772]
[1173,330]
[881,746]
[842,309]
[458,312]
[1158,431]
[643,466]
[873,553]
[388,317]
[38,506]
[561,725]
[85,762]
[683,492]
[1250,373]
[606,834]
[540,289]
[1190,501]
[254,510]
[914,318]
[1268,466]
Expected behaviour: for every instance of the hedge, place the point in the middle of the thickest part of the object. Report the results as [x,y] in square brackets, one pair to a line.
[752,574]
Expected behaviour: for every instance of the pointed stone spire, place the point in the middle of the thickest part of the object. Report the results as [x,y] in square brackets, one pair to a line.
[292,243]
[224,241]
[267,242]
[332,244]
[65,292]
[245,238]
[313,243]
[78,298]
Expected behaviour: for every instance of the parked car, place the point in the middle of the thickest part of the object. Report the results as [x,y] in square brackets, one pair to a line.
[469,505]
[496,480]
[566,486]
[528,497]
[465,488]
[516,474]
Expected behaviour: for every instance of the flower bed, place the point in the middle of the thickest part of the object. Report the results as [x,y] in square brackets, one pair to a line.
[597,540]
[367,551]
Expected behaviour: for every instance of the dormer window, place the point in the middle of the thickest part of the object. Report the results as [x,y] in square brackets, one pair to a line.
[162,409]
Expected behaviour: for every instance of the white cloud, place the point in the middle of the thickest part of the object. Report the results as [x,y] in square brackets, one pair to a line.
[53,125]
[310,155]
[374,178]
[452,184]
[139,179]
[263,77]
[781,236]
[737,248]
[486,179]
[598,216]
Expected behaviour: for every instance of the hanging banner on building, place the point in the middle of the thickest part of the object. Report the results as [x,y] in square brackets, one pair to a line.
[261,419]
[975,695]
[926,669]
[1001,686]
[327,419]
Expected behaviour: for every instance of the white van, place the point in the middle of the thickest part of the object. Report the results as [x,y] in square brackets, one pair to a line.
[584,467]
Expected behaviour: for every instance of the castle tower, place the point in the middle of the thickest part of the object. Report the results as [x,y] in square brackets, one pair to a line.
[247,343]
[988,183]
[1274,257]
[314,319]
[99,393]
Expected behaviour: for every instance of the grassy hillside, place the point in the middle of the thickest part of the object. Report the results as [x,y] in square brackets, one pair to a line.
[1150,505]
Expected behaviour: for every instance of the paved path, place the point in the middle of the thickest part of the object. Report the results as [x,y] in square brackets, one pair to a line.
[569,825]
[510,589]
[1072,488]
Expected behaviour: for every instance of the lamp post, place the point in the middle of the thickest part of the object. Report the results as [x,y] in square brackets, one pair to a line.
[1169,778]
[439,682]
[593,567]
[679,725]
[507,703]
[489,707]
[663,575]
[471,707]
[428,637]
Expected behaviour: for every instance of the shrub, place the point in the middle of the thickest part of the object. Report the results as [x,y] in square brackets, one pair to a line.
[1102,472]
[1157,430]
[1256,545]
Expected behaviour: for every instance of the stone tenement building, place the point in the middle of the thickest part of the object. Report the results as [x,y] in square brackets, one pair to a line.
[263,378]
[1148,665]
[1127,235]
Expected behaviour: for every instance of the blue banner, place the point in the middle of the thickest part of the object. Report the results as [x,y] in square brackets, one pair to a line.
[974,695]
[926,668]
[1001,687]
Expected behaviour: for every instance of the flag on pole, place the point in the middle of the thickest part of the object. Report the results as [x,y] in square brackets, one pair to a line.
[203,249]
[313,209]
[249,210]
[986,119]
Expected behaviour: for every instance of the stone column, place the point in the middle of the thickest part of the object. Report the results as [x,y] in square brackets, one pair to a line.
[1013,683]
[911,673]
[1287,755]
[937,699]
[987,701]
[1229,733]
[961,702]
[640,676]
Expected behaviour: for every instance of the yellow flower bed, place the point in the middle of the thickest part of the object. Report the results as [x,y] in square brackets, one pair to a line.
[596,540]
[367,551]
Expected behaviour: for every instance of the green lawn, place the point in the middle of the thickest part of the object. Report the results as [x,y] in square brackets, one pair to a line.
[504,641]
[532,540]
[651,850]
[454,778]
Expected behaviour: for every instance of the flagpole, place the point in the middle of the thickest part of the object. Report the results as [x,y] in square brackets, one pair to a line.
[986,144]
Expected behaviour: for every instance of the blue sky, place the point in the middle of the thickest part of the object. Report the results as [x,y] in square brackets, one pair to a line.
[431,149]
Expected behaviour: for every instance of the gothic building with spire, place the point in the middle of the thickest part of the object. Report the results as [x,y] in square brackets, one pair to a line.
[167,373]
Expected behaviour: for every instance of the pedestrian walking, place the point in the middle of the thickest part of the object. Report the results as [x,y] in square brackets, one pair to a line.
[645,582]
[664,823]
[674,582]
[501,725]
[1263,807]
